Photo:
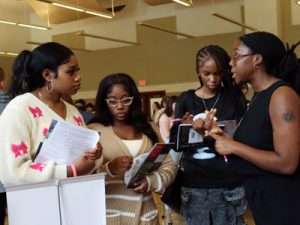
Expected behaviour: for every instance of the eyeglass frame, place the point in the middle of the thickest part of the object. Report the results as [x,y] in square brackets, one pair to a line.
[119,101]
[236,57]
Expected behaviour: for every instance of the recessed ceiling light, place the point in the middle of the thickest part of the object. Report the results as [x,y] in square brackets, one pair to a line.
[76,8]
[24,25]
[8,53]
[188,4]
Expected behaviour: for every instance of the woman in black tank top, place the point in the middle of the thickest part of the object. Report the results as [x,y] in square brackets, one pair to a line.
[266,144]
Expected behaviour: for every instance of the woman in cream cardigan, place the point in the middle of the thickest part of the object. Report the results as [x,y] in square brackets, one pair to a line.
[125,134]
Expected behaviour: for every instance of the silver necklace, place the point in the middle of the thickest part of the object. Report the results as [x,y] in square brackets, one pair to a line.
[248,107]
[215,103]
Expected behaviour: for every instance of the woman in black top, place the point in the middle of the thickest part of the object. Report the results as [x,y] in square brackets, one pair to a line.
[267,140]
[211,192]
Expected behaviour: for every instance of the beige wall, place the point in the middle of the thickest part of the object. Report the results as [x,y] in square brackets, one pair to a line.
[291,33]
[165,61]
[160,59]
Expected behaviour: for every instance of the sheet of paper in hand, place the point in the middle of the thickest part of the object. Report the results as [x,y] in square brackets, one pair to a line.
[64,142]
[146,163]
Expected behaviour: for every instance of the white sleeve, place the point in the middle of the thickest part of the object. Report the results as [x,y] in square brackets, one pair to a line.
[164,127]
[17,148]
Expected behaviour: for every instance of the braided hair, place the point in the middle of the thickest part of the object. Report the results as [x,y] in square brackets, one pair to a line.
[28,67]
[222,60]
[279,60]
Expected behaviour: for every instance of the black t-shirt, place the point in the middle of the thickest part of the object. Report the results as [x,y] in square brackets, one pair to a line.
[211,172]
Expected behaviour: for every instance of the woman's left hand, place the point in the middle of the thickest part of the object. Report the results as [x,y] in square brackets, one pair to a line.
[141,186]
[207,122]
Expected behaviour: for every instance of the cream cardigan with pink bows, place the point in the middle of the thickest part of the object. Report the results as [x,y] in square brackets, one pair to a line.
[23,126]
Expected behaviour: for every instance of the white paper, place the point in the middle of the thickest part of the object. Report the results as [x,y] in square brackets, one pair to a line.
[194,137]
[66,142]
[137,162]
[202,116]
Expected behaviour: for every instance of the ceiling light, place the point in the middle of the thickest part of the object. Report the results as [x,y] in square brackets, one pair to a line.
[25,25]
[165,30]
[98,14]
[77,8]
[33,26]
[67,7]
[233,21]
[8,22]
[297,2]
[8,53]
[105,38]
[183,2]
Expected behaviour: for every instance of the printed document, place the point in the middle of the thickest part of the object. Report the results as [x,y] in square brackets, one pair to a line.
[65,142]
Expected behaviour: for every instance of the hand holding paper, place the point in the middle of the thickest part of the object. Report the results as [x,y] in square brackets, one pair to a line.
[120,164]
[146,163]
[66,143]
[82,165]
[141,186]
[94,154]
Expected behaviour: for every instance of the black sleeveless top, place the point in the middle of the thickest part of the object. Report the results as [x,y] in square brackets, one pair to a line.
[255,129]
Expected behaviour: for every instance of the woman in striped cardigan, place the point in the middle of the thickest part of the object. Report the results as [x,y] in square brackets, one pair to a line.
[125,134]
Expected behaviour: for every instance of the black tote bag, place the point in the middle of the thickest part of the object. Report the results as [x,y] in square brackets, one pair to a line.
[172,194]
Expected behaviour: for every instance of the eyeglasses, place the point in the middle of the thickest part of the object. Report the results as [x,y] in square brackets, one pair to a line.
[124,101]
[236,57]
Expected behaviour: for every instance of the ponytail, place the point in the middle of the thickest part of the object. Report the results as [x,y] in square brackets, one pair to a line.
[289,68]
[20,82]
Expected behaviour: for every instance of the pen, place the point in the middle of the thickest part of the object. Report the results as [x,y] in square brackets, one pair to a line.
[225,158]
[177,120]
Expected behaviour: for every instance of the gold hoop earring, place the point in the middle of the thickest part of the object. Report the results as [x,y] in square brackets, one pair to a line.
[49,89]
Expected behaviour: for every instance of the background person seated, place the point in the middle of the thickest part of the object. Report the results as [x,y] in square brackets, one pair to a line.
[81,106]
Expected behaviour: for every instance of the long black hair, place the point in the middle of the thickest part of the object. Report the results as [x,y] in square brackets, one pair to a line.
[167,101]
[28,66]
[222,60]
[136,116]
[279,60]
